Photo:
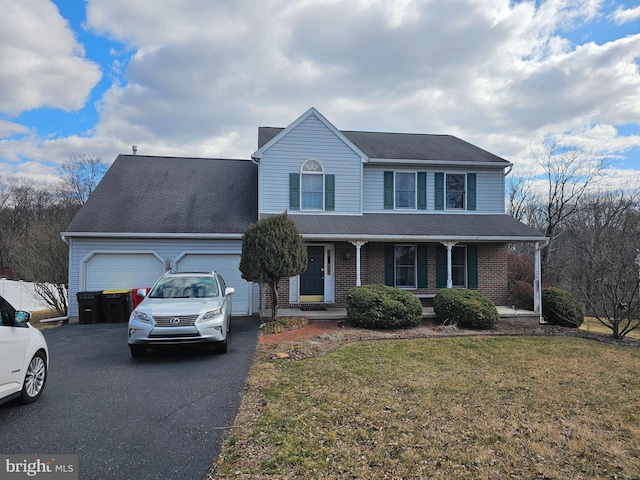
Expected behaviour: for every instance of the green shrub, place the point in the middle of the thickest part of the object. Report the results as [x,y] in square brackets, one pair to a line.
[560,308]
[380,306]
[465,309]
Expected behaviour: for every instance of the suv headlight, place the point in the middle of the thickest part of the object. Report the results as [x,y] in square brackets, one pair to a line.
[142,317]
[210,315]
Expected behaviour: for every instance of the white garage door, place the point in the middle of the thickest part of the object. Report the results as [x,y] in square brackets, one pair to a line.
[122,271]
[228,266]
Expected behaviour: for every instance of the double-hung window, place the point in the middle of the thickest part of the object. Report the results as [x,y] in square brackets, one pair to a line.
[311,189]
[405,190]
[455,191]
[455,195]
[312,185]
[405,266]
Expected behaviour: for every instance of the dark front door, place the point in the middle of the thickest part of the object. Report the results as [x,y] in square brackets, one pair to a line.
[312,280]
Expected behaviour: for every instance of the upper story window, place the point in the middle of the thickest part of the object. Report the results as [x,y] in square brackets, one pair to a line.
[456,189]
[405,190]
[311,188]
[312,185]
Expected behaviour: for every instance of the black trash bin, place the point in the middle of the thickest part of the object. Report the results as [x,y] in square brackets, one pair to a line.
[90,307]
[117,305]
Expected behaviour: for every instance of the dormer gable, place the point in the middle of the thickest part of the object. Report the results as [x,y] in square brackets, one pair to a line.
[269,137]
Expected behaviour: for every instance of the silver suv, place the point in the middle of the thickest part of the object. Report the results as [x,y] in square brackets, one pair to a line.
[182,308]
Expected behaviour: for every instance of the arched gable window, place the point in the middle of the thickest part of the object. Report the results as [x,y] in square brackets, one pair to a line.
[311,188]
[312,185]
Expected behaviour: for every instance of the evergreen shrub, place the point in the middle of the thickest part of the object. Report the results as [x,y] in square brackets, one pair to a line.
[382,307]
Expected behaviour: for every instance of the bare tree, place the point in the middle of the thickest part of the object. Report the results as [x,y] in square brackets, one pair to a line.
[32,217]
[602,242]
[80,175]
[568,173]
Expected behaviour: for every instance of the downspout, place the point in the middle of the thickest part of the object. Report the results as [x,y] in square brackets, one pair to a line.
[509,171]
[537,281]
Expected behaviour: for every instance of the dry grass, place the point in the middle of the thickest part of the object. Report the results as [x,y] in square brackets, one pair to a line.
[466,407]
[283,324]
[41,315]
[592,325]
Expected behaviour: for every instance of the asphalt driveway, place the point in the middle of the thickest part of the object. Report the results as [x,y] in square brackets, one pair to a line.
[160,417]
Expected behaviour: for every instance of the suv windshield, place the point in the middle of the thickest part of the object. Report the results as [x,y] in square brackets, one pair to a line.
[185,287]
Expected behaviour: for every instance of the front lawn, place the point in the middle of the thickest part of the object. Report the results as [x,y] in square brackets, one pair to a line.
[592,324]
[462,407]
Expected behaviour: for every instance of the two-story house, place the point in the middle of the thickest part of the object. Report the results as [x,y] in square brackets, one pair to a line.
[420,212]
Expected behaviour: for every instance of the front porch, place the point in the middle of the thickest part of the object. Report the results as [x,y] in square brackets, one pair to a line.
[328,314]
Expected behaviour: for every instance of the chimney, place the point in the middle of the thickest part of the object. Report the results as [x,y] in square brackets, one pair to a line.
[135,149]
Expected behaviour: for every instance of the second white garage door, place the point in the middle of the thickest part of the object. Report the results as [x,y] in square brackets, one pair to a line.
[226,265]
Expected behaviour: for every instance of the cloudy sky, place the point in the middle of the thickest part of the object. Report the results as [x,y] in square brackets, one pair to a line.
[198,77]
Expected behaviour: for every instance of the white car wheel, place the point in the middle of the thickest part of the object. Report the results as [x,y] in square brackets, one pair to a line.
[35,378]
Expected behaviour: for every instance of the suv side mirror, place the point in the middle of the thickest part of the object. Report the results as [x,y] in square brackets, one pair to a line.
[229,291]
[141,292]
[21,317]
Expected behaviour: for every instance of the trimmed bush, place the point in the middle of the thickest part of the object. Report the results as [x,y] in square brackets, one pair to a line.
[382,307]
[559,307]
[465,309]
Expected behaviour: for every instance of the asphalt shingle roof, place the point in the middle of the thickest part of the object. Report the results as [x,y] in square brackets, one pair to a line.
[429,226]
[146,194]
[406,146]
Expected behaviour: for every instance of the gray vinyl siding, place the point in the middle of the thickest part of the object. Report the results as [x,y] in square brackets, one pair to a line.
[79,248]
[489,188]
[310,139]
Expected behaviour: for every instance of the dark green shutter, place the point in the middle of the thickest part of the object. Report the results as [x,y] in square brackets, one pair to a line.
[329,192]
[471,191]
[472,265]
[441,266]
[388,265]
[294,191]
[422,190]
[439,191]
[388,190]
[422,266]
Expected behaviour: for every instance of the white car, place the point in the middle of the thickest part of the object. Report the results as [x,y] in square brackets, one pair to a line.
[24,356]
[182,308]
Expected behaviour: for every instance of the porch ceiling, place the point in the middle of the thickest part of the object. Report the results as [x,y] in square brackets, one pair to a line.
[415,227]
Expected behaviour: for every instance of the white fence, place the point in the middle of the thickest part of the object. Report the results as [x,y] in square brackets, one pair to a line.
[20,295]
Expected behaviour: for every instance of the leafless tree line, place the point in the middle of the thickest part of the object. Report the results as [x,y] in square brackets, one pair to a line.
[32,216]
[594,231]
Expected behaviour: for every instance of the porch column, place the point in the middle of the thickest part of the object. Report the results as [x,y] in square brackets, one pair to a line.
[537,281]
[537,292]
[449,246]
[358,246]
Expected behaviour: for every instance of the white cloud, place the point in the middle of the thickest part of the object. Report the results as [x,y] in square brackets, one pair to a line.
[625,15]
[42,63]
[498,73]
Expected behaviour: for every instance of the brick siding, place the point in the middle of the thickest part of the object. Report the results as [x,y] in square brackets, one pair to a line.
[492,272]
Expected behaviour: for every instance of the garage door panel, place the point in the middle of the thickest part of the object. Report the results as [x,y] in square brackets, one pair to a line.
[116,270]
[226,265]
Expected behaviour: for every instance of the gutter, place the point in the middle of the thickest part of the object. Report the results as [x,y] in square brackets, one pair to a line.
[446,163]
[194,236]
[421,238]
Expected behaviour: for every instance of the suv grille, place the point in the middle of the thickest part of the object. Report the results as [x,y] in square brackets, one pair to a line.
[185,321]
